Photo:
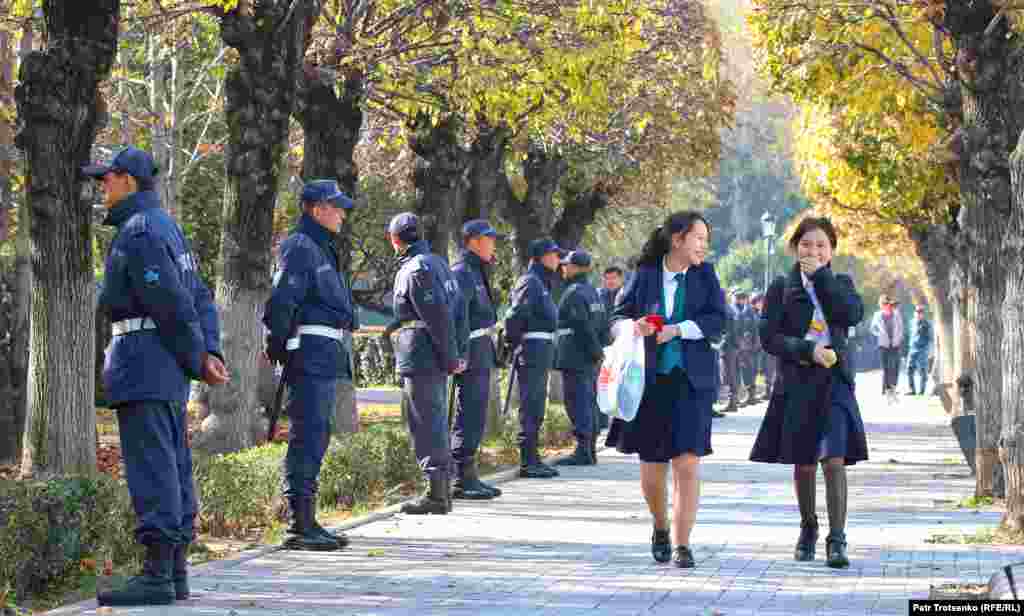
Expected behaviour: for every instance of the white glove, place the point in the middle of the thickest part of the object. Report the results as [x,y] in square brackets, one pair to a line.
[688,330]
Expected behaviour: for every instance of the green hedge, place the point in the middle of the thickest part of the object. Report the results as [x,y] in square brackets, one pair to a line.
[242,490]
[47,528]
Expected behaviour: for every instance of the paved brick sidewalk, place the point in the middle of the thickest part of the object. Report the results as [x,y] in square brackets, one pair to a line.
[580,544]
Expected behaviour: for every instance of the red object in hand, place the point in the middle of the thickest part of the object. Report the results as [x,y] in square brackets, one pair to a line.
[656,320]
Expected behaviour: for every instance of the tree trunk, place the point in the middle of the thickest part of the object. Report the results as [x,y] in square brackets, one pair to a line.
[581,209]
[58,105]
[534,216]
[1011,443]
[441,177]
[489,190]
[935,248]
[963,343]
[330,126]
[986,66]
[271,40]
[163,99]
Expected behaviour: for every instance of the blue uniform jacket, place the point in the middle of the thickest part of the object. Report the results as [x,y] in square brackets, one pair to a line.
[310,290]
[151,273]
[920,338]
[705,306]
[582,312]
[471,274]
[532,310]
[426,291]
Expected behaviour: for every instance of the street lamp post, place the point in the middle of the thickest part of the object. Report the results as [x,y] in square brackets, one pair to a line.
[768,232]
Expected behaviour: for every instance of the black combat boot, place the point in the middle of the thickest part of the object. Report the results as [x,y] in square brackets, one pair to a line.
[339,537]
[436,501]
[151,587]
[303,533]
[468,485]
[180,572]
[530,466]
[580,457]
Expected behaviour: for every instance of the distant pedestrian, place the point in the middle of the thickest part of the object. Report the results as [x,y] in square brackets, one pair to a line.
[920,345]
[613,280]
[887,327]
[765,361]
[816,419]
[673,423]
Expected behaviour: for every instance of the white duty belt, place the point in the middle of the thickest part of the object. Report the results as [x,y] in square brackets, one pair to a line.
[128,326]
[549,336]
[314,330]
[480,333]
[563,332]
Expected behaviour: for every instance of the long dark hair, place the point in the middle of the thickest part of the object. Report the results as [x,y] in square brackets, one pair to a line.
[660,242]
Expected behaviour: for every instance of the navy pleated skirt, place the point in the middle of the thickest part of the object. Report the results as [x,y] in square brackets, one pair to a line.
[673,419]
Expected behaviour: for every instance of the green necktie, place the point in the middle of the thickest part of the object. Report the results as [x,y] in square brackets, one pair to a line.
[679,303]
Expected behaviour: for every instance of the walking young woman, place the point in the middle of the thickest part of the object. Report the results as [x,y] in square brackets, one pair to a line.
[813,415]
[673,423]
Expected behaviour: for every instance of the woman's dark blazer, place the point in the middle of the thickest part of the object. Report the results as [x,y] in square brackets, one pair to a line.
[705,305]
[798,413]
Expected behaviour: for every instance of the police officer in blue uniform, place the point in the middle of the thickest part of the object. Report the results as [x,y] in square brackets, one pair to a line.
[473,387]
[529,329]
[165,333]
[583,332]
[307,314]
[430,336]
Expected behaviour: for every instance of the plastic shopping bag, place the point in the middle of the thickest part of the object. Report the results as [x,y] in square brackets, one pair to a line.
[620,383]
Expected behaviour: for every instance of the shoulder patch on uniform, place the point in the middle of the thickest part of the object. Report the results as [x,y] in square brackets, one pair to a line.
[151,275]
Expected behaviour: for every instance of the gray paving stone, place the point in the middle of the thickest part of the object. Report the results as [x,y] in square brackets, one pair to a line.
[578,545]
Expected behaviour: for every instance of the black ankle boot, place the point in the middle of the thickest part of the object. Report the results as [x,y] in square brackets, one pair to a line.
[807,543]
[530,466]
[593,448]
[835,550]
[661,546]
[303,533]
[181,589]
[435,502]
[580,457]
[151,587]
[468,485]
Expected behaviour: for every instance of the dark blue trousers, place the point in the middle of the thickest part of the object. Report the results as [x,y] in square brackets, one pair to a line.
[158,467]
[580,390]
[428,421]
[310,408]
[533,395]
[472,396]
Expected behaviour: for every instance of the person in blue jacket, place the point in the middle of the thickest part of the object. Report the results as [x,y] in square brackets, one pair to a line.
[165,333]
[307,314]
[581,337]
[430,336]
[473,386]
[921,338]
[530,330]
[673,423]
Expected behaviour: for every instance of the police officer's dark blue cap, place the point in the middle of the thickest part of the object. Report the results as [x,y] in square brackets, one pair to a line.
[402,223]
[135,162]
[480,226]
[577,257]
[541,247]
[327,191]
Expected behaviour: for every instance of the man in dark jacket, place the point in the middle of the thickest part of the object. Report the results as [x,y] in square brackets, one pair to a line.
[473,386]
[530,329]
[430,345]
[746,346]
[583,332]
[307,315]
[613,280]
[165,333]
